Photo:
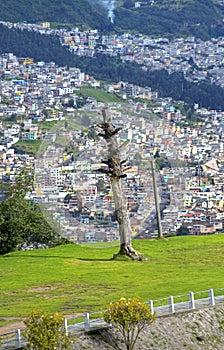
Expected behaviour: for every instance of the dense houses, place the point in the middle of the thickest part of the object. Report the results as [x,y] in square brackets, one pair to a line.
[67,184]
[197,59]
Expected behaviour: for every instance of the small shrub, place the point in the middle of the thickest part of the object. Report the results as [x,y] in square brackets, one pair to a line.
[46,332]
[129,317]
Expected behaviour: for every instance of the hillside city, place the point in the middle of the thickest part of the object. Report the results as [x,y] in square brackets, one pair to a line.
[40,103]
[198,60]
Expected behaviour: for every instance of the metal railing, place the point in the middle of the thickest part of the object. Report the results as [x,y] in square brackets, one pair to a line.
[11,340]
[163,307]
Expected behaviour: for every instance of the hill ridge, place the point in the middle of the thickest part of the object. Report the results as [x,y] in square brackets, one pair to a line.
[166,18]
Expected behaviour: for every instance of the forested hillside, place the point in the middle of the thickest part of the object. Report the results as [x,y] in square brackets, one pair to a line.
[32,44]
[198,18]
[203,19]
[76,13]
[102,67]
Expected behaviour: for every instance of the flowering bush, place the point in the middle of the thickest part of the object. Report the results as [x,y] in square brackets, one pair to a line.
[129,317]
[46,332]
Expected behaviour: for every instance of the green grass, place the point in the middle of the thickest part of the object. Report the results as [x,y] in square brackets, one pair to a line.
[47,125]
[57,125]
[28,146]
[99,94]
[80,278]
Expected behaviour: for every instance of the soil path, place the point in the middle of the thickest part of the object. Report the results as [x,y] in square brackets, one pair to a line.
[12,327]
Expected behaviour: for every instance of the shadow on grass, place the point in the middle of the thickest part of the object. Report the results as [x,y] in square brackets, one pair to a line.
[57,257]
[94,259]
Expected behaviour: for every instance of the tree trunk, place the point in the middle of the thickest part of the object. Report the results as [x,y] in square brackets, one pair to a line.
[115,172]
[122,217]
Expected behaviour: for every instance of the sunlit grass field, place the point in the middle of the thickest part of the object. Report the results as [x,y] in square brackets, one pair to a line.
[83,278]
[99,94]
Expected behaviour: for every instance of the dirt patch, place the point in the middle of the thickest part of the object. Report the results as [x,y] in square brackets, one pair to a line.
[11,327]
[41,289]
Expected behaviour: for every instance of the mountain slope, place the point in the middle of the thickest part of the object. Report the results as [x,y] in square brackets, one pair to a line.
[25,43]
[203,19]
[74,12]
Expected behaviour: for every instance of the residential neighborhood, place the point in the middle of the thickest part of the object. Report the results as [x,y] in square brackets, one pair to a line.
[40,105]
[198,60]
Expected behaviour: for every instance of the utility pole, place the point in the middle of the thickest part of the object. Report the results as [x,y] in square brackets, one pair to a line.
[156,198]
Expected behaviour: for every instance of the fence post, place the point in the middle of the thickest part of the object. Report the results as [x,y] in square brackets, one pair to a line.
[191,301]
[211,297]
[171,305]
[66,326]
[18,338]
[86,322]
[151,306]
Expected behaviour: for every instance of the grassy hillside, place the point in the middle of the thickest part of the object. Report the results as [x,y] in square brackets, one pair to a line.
[99,94]
[79,278]
[28,146]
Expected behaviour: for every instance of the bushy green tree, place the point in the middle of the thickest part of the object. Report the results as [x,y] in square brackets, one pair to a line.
[183,231]
[46,332]
[21,221]
[129,317]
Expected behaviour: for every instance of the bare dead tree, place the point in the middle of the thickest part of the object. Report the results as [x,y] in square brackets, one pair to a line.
[114,168]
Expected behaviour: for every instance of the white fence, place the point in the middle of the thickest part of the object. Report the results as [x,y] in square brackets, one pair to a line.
[162,307]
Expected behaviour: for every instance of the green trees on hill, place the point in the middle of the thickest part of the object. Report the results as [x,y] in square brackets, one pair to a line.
[31,44]
[76,13]
[21,221]
[202,19]
[174,85]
